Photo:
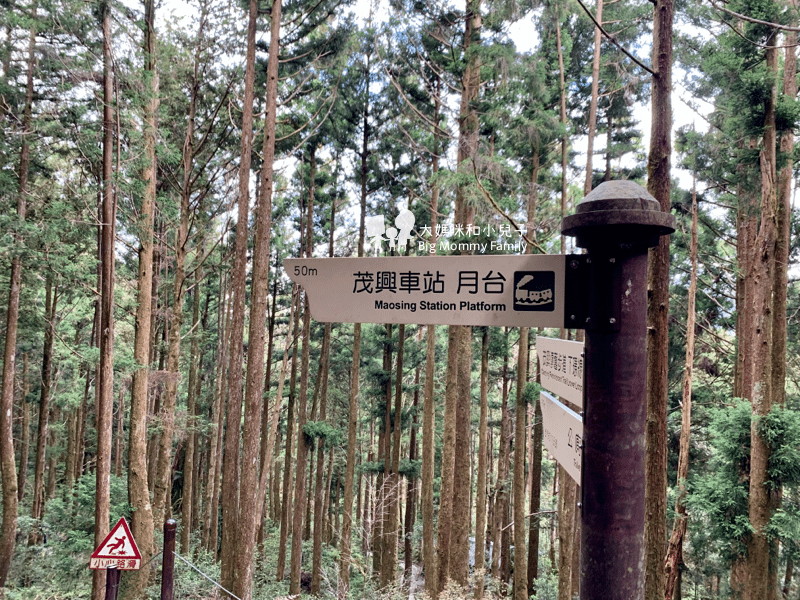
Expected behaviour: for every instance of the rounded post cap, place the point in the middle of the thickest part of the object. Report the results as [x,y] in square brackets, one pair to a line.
[618,214]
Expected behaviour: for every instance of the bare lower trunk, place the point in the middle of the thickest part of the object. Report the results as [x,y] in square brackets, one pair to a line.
[480,502]
[674,558]
[39,497]
[659,185]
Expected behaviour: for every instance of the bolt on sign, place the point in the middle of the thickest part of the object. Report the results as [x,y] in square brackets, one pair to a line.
[118,550]
[563,434]
[493,290]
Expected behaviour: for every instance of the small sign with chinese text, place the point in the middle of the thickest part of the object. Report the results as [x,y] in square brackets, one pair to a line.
[561,367]
[118,550]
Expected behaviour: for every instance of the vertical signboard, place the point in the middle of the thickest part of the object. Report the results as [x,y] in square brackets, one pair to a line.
[561,368]
[563,434]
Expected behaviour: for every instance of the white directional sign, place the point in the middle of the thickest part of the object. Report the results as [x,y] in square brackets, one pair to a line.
[496,290]
[117,550]
[563,434]
[561,367]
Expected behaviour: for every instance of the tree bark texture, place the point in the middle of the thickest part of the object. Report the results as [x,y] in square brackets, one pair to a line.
[673,563]
[761,580]
[105,378]
[659,186]
[230,466]
[250,480]
[520,423]
[592,129]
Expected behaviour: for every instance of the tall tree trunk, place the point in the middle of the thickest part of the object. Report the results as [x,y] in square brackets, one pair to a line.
[138,487]
[162,505]
[783,208]
[411,483]
[250,480]
[269,443]
[105,383]
[355,365]
[319,497]
[536,424]
[462,516]
[230,470]
[210,512]
[675,548]
[319,494]
[592,130]
[429,409]
[565,137]
[302,405]
[520,558]
[379,522]
[453,546]
[503,545]
[190,460]
[39,496]
[25,446]
[7,460]
[480,501]
[445,522]
[291,419]
[761,579]
[781,277]
[659,185]
[392,479]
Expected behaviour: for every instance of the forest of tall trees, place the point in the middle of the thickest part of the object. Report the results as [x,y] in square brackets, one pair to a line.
[160,160]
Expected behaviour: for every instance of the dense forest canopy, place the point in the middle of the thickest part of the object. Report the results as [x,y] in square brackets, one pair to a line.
[160,161]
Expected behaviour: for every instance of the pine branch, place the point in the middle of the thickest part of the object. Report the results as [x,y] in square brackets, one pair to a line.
[611,39]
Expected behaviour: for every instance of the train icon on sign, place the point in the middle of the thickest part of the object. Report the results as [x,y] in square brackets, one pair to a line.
[534,291]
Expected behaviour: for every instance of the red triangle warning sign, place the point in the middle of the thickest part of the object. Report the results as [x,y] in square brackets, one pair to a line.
[118,549]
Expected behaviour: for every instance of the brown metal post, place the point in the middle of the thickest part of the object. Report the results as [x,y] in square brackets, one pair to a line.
[168,561]
[112,583]
[616,223]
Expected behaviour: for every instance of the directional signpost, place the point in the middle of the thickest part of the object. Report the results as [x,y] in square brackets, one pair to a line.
[603,292]
[616,223]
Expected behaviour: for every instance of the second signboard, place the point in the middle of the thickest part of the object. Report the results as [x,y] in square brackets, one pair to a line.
[563,434]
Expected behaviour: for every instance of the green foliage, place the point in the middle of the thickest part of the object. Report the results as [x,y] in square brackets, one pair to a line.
[546,584]
[719,496]
[780,429]
[531,392]
[58,566]
[328,435]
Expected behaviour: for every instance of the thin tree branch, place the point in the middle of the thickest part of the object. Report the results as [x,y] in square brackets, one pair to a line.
[493,202]
[752,19]
[611,39]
